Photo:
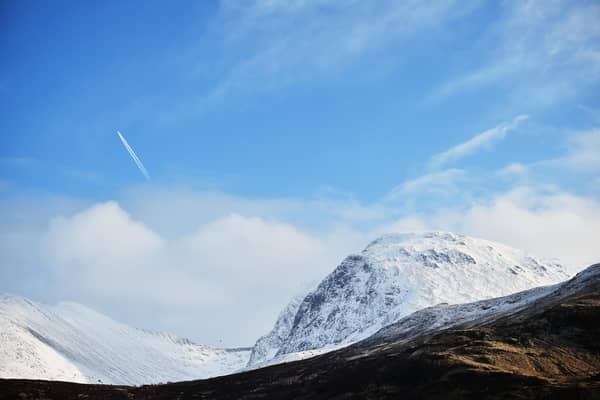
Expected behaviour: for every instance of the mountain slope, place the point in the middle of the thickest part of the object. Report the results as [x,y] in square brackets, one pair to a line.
[73,343]
[267,346]
[397,275]
[545,347]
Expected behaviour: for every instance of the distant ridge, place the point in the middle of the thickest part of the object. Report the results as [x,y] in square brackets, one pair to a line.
[71,342]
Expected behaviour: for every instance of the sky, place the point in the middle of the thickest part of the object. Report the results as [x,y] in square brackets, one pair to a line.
[279,137]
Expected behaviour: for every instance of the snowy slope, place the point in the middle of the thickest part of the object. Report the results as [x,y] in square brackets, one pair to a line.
[74,343]
[481,313]
[397,275]
[267,346]
[445,316]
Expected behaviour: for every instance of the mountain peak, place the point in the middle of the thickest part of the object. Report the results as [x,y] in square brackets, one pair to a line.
[407,237]
[400,273]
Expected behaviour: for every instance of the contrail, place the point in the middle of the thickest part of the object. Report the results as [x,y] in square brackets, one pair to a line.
[135,158]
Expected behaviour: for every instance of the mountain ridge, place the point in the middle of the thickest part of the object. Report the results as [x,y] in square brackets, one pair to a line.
[72,342]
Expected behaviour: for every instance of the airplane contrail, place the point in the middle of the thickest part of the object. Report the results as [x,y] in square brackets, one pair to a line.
[137,161]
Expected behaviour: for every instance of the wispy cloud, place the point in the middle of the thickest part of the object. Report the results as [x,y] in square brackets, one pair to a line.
[285,42]
[546,50]
[435,182]
[581,155]
[483,140]
[514,169]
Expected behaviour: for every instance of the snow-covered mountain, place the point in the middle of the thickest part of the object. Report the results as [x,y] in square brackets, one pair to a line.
[70,342]
[393,277]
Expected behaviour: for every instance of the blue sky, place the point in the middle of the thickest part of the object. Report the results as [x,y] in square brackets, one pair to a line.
[321,122]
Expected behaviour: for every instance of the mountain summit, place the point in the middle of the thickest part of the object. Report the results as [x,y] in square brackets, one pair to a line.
[394,276]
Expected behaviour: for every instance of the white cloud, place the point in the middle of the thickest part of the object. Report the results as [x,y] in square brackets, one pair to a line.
[544,221]
[252,249]
[483,140]
[102,233]
[555,224]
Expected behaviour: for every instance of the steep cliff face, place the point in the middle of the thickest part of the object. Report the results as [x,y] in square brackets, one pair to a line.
[267,346]
[402,273]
